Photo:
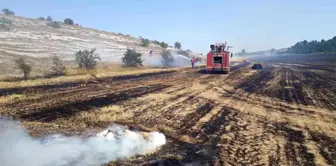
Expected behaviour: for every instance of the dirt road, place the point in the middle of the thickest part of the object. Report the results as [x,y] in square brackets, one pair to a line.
[282,115]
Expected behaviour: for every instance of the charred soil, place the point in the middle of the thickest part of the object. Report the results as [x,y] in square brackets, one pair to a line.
[281,115]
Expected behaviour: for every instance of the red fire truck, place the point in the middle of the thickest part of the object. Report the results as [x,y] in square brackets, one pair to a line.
[218,59]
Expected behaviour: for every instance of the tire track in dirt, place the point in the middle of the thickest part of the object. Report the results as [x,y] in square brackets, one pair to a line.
[326,147]
[293,86]
[295,150]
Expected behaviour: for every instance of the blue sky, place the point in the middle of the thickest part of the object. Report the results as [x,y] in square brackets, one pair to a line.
[250,24]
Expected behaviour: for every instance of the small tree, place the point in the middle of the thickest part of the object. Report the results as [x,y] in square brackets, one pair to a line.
[144,42]
[5,24]
[58,67]
[49,18]
[8,12]
[53,24]
[182,52]
[41,18]
[164,45]
[22,65]
[87,59]
[167,58]
[132,58]
[243,52]
[68,21]
[177,45]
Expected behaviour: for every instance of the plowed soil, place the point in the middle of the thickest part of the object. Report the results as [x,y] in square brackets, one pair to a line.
[284,114]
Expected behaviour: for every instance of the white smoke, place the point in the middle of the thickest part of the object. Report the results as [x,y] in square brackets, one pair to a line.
[156,61]
[17,147]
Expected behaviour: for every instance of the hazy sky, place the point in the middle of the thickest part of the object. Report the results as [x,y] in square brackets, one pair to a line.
[250,24]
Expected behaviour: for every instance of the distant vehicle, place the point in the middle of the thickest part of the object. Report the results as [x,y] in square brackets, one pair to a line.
[218,59]
[257,66]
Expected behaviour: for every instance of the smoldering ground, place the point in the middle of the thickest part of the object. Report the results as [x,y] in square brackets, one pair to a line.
[17,147]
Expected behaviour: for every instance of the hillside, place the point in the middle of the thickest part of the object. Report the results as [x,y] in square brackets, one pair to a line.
[36,41]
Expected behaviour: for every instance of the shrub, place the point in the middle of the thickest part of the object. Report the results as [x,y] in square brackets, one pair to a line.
[132,58]
[162,44]
[87,59]
[54,24]
[177,45]
[8,12]
[68,21]
[182,52]
[144,42]
[22,65]
[5,23]
[58,67]
[49,18]
[4,20]
[167,58]
[41,18]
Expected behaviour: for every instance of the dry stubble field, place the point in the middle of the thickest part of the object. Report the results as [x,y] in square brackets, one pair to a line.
[282,115]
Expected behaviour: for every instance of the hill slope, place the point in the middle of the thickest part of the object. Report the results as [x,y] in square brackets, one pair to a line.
[34,39]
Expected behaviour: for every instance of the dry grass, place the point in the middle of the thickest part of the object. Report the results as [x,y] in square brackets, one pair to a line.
[198,109]
[104,68]
[11,98]
[105,114]
[77,75]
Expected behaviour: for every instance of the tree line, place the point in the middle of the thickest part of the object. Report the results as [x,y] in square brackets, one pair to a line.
[302,47]
[51,23]
[314,46]
[88,60]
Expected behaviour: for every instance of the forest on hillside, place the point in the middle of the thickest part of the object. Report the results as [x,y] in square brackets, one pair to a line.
[302,47]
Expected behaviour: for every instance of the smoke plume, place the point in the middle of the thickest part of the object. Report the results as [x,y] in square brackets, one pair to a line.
[17,147]
[156,61]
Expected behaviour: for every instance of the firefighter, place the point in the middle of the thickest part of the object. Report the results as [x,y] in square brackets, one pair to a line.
[193,60]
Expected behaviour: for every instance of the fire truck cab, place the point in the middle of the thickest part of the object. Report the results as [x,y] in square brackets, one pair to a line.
[218,59]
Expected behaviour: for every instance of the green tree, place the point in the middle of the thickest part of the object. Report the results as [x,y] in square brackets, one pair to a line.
[132,58]
[5,24]
[8,12]
[49,18]
[243,52]
[144,42]
[68,21]
[164,45]
[41,18]
[177,45]
[182,52]
[53,24]
[167,58]
[87,58]
[24,67]
[314,46]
